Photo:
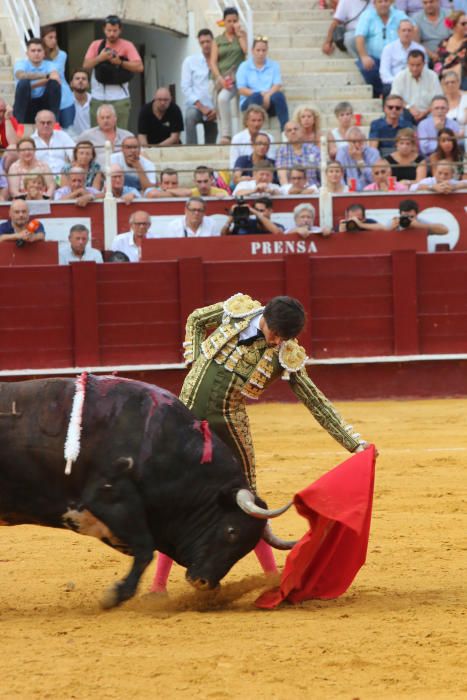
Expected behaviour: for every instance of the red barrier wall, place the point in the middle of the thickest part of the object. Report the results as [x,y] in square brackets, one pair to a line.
[452,206]
[87,314]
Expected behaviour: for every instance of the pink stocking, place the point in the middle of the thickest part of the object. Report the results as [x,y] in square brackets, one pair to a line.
[266,557]
[163,566]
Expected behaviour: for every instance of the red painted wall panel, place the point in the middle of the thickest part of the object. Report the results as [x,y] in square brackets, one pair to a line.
[135,314]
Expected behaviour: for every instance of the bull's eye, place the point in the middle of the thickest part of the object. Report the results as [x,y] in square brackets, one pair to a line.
[232,534]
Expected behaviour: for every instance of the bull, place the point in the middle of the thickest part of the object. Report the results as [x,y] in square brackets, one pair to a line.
[143,479]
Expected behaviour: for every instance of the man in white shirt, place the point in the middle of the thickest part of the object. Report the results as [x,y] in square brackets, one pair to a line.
[53,147]
[241,143]
[261,185]
[140,172]
[298,183]
[130,243]
[417,85]
[193,224]
[346,13]
[199,105]
[79,84]
[394,56]
[77,250]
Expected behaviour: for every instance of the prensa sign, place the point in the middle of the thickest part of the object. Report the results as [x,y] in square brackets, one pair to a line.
[283,247]
[272,247]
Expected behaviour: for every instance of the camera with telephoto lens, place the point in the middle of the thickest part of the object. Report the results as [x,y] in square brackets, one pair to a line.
[240,213]
[405,221]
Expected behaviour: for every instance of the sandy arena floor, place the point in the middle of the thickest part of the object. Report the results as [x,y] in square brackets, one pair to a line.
[399,632]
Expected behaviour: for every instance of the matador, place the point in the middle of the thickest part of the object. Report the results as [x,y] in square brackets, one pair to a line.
[250,346]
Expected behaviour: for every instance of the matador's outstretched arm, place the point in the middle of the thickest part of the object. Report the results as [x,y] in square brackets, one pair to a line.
[324,412]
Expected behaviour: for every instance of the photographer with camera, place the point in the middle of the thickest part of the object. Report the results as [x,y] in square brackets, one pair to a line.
[408,218]
[355,220]
[114,62]
[245,219]
[18,227]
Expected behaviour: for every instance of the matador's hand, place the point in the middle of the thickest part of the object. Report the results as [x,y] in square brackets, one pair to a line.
[364,446]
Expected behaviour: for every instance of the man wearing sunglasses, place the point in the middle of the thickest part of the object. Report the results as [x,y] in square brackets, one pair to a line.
[383,131]
[113,62]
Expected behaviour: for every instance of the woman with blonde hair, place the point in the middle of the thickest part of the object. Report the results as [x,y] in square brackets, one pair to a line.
[407,165]
[27,164]
[310,121]
[335,178]
[457,100]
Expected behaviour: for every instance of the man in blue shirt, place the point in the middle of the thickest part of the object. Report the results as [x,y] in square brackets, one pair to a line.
[259,82]
[376,28]
[356,159]
[16,227]
[428,128]
[383,131]
[37,85]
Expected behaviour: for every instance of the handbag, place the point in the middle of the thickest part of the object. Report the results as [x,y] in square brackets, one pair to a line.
[338,37]
[339,31]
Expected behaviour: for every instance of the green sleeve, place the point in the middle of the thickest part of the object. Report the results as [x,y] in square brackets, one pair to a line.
[196,325]
[323,411]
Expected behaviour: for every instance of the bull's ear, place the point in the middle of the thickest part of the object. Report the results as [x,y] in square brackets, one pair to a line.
[228,494]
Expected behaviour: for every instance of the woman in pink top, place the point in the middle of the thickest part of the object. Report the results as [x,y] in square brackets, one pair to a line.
[28,164]
[383,180]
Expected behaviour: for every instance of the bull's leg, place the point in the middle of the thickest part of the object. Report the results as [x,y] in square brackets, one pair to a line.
[121,508]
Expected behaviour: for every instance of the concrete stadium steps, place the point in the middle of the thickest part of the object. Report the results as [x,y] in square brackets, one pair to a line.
[185,159]
[312,92]
[296,34]
[7,87]
[312,40]
[296,66]
[304,26]
[306,53]
[287,12]
[7,90]
[310,7]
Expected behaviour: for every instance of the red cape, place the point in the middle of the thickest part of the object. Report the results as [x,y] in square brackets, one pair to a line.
[326,560]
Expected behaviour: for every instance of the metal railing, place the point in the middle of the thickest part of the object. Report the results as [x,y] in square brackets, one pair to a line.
[245,13]
[25,19]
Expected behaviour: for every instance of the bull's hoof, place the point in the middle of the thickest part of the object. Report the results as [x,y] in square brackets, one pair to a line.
[110,599]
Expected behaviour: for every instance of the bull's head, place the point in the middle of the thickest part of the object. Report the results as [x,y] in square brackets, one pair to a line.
[242,524]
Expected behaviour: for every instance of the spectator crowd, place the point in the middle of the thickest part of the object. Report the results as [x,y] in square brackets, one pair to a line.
[413,53]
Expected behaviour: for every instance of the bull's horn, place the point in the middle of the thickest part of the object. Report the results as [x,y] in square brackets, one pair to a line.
[246,501]
[276,542]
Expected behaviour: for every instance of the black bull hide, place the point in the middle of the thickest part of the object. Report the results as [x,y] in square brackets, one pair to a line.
[138,483]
